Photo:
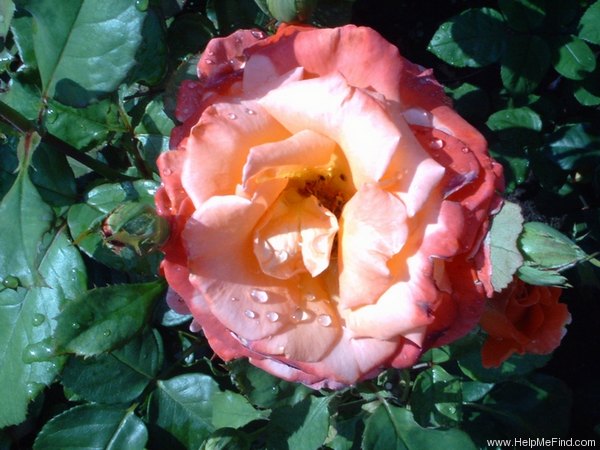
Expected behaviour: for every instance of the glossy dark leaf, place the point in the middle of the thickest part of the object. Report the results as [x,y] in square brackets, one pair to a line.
[91,426]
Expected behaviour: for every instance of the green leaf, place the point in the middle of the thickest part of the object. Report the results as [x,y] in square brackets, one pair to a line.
[93,427]
[84,48]
[7,9]
[151,57]
[532,274]
[188,34]
[303,426]
[154,131]
[535,407]
[523,15]
[549,248]
[182,408]
[290,10]
[470,101]
[589,25]
[230,15]
[24,220]
[52,175]
[475,38]
[227,439]
[22,31]
[263,389]
[524,63]
[85,219]
[393,428]
[27,324]
[573,146]
[129,369]
[83,127]
[436,398]
[233,410]
[516,127]
[573,58]
[104,319]
[505,256]
[587,91]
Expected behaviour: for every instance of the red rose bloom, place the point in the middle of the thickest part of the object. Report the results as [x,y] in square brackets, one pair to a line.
[328,208]
[523,319]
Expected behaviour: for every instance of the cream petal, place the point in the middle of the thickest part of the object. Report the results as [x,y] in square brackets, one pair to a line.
[373,228]
[218,147]
[351,117]
[289,157]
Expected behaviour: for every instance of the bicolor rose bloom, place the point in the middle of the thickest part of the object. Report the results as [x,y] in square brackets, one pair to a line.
[523,319]
[328,207]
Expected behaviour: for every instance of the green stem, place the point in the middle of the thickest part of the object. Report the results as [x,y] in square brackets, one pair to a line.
[23,125]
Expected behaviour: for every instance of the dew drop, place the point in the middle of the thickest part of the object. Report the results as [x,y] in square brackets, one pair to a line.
[250,314]
[38,319]
[250,111]
[231,116]
[234,299]
[75,326]
[106,333]
[32,389]
[388,386]
[324,320]
[259,295]
[38,352]
[299,315]
[211,53]
[10,282]
[167,172]
[209,61]
[436,144]
[309,297]
[281,256]
[142,5]
[272,316]
[464,150]
[257,34]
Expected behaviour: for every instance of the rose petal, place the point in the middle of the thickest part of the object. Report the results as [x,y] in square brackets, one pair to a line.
[218,147]
[373,229]
[349,116]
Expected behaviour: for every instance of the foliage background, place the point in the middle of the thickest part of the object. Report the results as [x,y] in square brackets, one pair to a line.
[89,354]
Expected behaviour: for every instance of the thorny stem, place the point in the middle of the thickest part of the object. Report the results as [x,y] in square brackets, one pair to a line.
[22,125]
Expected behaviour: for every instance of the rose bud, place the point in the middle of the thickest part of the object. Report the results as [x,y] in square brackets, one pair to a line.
[523,319]
[328,207]
[134,225]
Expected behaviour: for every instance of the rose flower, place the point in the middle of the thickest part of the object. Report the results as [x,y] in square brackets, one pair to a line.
[523,319]
[327,206]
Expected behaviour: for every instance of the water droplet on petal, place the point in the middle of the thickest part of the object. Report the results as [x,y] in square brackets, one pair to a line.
[231,116]
[464,150]
[272,316]
[234,299]
[211,53]
[167,172]
[436,144]
[309,297]
[259,295]
[250,314]
[38,319]
[281,256]
[299,315]
[257,34]
[250,111]
[324,320]
[209,61]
